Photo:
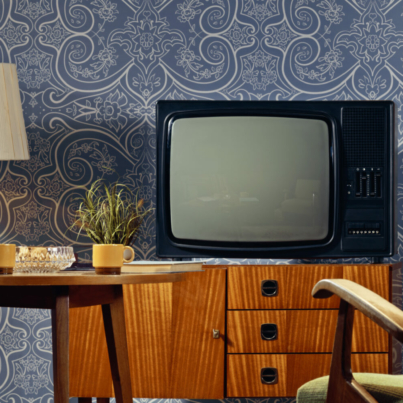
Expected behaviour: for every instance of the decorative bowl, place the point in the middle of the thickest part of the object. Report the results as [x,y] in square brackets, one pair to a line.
[38,259]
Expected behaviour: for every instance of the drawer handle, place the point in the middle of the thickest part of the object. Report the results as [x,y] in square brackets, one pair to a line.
[269,288]
[269,376]
[268,331]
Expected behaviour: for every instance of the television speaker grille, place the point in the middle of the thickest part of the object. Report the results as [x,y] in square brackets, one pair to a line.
[363,137]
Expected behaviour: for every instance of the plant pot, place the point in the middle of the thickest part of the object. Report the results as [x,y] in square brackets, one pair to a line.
[108,259]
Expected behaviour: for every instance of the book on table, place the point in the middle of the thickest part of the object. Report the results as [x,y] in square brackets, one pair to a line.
[143,266]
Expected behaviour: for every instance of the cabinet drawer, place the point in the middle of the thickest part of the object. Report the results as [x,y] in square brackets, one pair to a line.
[244,331]
[373,277]
[313,332]
[297,331]
[244,375]
[294,286]
[244,371]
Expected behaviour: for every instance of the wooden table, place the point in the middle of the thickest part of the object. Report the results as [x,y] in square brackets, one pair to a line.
[64,290]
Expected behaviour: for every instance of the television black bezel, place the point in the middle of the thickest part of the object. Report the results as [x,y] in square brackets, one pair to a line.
[170,246]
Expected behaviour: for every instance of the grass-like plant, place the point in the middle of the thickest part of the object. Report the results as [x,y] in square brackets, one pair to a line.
[110,213]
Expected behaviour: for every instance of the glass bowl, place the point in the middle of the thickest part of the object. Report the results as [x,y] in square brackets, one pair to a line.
[38,259]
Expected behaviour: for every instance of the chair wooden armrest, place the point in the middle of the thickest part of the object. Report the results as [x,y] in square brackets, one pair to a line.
[380,311]
[342,386]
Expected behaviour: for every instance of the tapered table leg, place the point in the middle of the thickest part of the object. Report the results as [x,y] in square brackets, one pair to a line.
[60,337]
[115,331]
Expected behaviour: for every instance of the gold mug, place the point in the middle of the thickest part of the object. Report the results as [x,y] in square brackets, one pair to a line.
[7,258]
[108,259]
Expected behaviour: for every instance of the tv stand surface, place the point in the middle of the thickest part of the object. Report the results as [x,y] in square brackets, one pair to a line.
[173,353]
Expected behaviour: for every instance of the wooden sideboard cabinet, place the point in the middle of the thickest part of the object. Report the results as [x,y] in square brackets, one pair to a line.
[169,327]
[265,316]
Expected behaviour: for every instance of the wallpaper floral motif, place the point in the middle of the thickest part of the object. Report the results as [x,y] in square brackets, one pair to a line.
[90,73]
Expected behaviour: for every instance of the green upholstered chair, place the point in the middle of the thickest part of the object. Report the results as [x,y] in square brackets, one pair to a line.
[341,386]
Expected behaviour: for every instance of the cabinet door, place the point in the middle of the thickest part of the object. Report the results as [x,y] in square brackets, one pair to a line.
[89,369]
[172,351]
[148,309]
[198,358]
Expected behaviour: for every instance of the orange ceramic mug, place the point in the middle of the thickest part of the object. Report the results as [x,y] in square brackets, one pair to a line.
[7,258]
[108,259]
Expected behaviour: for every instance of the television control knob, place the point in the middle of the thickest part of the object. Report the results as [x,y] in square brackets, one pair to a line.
[216,334]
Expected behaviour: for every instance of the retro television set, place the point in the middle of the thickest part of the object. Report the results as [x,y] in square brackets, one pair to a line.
[275,179]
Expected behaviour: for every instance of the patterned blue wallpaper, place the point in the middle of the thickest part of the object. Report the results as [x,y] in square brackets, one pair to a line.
[90,73]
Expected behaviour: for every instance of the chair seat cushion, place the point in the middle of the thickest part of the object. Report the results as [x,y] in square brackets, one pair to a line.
[384,388]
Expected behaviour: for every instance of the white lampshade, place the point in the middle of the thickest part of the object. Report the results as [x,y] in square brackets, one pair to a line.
[13,137]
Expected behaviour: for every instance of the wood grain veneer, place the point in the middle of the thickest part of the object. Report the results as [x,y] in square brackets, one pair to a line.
[312,331]
[300,281]
[295,283]
[198,359]
[302,368]
[148,326]
[243,378]
[149,336]
[172,353]
[368,336]
[299,331]
[375,363]
[243,375]
[90,373]
[379,310]
[373,277]
[244,287]
[244,331]
[170,332]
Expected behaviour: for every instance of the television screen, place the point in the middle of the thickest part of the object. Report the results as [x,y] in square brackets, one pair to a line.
[249,179]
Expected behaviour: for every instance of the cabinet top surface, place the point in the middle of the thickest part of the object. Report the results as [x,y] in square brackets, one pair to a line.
[86,278]
[393,266]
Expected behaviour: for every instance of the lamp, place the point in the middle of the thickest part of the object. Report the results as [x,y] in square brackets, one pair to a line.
[13,137]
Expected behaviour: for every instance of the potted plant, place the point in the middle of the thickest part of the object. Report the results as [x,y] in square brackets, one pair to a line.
[111,216]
